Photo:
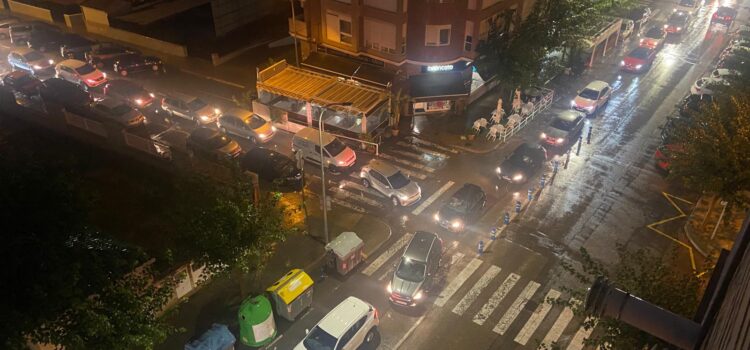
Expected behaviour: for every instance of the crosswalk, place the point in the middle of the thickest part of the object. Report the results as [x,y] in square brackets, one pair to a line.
[498,300]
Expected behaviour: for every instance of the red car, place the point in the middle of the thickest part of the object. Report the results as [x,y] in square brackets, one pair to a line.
[638,60]
[653,39]
[677,23]
[663,155]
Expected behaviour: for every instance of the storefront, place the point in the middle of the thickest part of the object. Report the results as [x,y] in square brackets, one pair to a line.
[294,98]
[439,90]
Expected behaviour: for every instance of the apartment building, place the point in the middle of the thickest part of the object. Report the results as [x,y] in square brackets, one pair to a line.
[425,48]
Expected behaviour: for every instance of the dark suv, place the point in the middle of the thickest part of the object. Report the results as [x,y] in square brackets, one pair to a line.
[135,62]
[75,46]
[106,54]
[66,94]
[415,272]
[273,167]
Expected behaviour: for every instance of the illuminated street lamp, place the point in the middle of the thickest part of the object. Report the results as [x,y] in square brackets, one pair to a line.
[322,164]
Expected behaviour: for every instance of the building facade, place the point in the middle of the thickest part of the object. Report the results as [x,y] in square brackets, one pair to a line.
[424,48]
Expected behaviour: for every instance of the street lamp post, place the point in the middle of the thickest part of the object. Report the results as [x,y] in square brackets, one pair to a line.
[323,163]
[294,36]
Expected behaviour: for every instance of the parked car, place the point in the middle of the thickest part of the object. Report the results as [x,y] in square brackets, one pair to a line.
[105,54]
[20,32]
[45,40]
[74,46]
[66,94]
[29,60]
[564,128]
[273,167]
[705,85]
[464,206]
[678,23]
[81,73]
[594,96]
[724,15]
[5,27]
[638,60]
[391,182]
[190,108]
[417,269]
[246,124]
[23,82]
[663,155]
[689,6]
[525,160]
[653,39]
[132,93]
[213,144]
[337,155]
[135,62]
[119,112]
[350,324]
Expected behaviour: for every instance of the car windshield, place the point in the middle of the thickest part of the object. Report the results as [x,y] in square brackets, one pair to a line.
[33,56]
[255,121]
[458,204]
[589,94]
[120,110]
[398,180]
[639,53]
[85,69]
[563,124]
[218,141]
[196,104]
[335,147]
[655,33]
[410,270]
[318,339]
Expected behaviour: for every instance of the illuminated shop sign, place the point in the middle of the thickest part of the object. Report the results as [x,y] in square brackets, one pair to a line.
[440,68]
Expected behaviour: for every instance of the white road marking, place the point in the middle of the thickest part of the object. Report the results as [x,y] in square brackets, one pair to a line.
[451,289]
[408,333]
[357,197]
[559,326]
[416,156]
[432,198]
[408,163]
[496,298]
[455,258]
[516,308]
[392,250]
[577,342]
[351,184]
[478,287]
[423,150]
[536,318]
[432,144]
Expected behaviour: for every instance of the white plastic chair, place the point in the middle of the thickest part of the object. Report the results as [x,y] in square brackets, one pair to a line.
[497,117]
[527,108]
[513,120]
[494,132]
[477,126]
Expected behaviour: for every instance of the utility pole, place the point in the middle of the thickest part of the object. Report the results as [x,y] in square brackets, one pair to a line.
[294,35]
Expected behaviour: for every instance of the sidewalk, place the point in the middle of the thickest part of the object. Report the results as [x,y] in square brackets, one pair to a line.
[701,223]
[219,300]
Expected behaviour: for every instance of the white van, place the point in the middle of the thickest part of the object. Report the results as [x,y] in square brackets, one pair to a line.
[337,155]
[346,327]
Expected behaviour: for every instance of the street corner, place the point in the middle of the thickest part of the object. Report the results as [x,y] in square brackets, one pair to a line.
[661,227]
[373,232]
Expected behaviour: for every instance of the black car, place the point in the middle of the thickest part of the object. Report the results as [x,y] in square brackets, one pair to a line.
[75,46]
[45,40]
[522,163]
[213,144]
[134,62]
[106,53]
[66,94]
[23,82]
[272,166]
[135,95]
[464,206]
[724,15]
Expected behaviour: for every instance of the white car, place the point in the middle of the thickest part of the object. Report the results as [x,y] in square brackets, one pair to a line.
[391,182]
[81,73]
[703,85]
[348,326]
[595,95]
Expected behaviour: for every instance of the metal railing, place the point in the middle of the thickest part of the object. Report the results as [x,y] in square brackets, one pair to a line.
[541,105]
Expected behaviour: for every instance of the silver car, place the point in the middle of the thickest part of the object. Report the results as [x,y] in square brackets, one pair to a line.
[246,124]
[190,108]
[389,181]
[415,272]
[119,112]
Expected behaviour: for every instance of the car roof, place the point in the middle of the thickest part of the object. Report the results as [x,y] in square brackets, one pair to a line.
[72,63]
[203,133]
[597,85]
[110,102]
[311,134]
[525,148]
[382,167]
[338,320]
[419,246]
[466,190]
[568,115]
[22,50]
[238,112]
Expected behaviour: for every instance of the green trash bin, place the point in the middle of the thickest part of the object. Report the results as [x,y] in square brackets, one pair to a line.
[257,326]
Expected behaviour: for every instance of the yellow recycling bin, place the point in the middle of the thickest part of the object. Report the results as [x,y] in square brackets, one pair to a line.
[292,294]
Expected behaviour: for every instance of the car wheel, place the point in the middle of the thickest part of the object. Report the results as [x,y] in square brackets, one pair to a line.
[395,201]
[370,335]
[123,73]
[366,183]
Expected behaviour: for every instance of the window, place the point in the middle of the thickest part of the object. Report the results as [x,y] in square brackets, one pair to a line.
[345,29]
[339,28]
[438,35]
[376,175]
[468,38]
[380,36]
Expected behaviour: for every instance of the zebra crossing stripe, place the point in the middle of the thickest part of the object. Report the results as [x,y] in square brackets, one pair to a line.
[516,308]
[377,263]
[353,185]
[559,326]
[536,318]
[357,197]
[472,295]
[423,150]
[496,298]
[418,210]
[577,342]
[432,144]
[451,289]
[408,163]
[415,156]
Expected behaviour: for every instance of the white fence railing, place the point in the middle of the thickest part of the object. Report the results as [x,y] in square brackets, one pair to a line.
[87,124]
[143,144]
[544,102]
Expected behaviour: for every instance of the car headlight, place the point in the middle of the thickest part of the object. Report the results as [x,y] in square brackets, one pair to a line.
[518,177]
[666,26]
[436,216]
[217,111]
[262,136]
[51,61]
[204,118]
[389,288]
[622,63]
[560,140]
[341,162]
[138,101]
[543,135]
[498,170]
[640,41]
[403,197]
[638,66]
[362,174]
[418,295]
[273,128]
[104,74]
[151,94]
[573,103]
[36,66]
[679,29]
[456,223]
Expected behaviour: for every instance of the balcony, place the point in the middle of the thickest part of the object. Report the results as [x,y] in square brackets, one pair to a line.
[298,28]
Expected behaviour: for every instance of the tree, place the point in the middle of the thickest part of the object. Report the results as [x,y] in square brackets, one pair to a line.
[642,274]
[713,148]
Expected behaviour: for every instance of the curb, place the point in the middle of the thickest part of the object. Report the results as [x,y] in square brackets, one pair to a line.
[689,235]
